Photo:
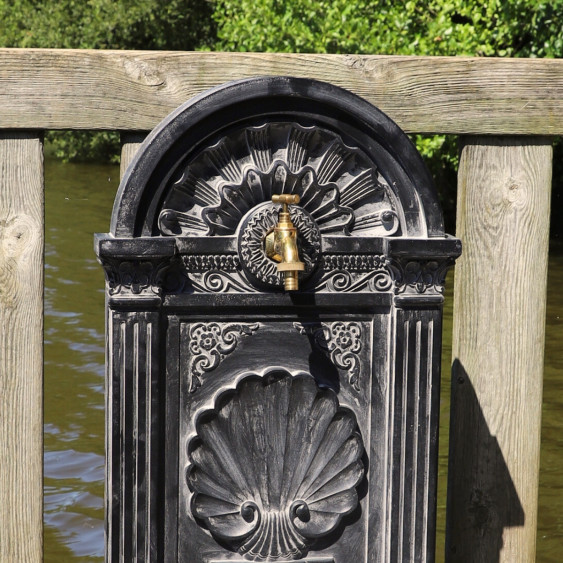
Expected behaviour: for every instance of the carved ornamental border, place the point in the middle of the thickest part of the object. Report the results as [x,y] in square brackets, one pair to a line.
[222,273]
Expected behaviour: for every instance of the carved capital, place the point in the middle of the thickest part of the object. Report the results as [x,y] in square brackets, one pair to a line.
[417,277]
[144,278]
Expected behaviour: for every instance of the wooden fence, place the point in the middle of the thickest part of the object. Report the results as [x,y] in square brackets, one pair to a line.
[506,110]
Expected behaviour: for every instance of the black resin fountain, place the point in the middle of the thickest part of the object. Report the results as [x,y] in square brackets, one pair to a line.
[275,270]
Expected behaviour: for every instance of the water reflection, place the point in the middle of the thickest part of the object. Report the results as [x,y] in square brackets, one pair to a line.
[550,512]
[78,203]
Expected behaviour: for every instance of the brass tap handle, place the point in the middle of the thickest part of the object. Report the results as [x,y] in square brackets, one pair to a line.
[286,199]
[283,248]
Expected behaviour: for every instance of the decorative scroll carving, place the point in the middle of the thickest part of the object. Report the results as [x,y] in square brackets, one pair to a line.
[339,272]
[215,273]
[418,277]
[216,281]
[274,466]
[210,343]
[223,273]
[343,281]
[340,186]
[355,272]
[251,243]
[341,341]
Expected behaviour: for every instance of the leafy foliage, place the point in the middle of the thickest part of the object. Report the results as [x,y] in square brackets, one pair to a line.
[103,24]
[503,28]
[434,27]
[106,24]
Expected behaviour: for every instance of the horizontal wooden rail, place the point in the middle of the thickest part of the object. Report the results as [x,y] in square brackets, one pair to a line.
[134,90]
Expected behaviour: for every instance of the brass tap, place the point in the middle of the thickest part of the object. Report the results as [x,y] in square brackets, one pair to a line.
[281,244]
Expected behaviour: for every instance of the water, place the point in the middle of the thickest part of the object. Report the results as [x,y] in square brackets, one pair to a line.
[78,203]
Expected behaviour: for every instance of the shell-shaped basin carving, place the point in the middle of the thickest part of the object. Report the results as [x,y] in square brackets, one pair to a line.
[274,466]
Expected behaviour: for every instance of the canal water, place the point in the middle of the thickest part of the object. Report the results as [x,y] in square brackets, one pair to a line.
[79,199]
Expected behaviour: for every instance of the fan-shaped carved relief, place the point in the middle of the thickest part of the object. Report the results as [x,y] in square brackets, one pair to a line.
[340,187]
[274,466]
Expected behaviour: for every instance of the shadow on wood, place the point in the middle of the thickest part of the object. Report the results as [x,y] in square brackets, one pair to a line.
[482,499]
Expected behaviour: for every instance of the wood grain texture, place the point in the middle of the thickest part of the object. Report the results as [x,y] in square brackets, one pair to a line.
[130,143]
[21,347]
[134,90]
[498,347]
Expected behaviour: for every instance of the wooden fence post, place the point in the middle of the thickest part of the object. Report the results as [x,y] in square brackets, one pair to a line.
[130,143]
[21,346]
[498,346]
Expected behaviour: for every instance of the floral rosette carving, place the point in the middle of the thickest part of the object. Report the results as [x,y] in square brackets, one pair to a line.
[272,499]
[210,343]
[341,341]
[344,345]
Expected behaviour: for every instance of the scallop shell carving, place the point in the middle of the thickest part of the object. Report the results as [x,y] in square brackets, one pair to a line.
[340,188]
[274,466]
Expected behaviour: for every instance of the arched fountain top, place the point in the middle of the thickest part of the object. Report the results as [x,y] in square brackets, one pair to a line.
[254,133]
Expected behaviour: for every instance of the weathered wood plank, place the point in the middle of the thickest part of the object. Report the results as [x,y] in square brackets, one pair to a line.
[21,346]
[130,143]
[128,90]
[498,347]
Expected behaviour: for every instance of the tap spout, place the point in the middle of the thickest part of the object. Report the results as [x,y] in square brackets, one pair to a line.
[285,249]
